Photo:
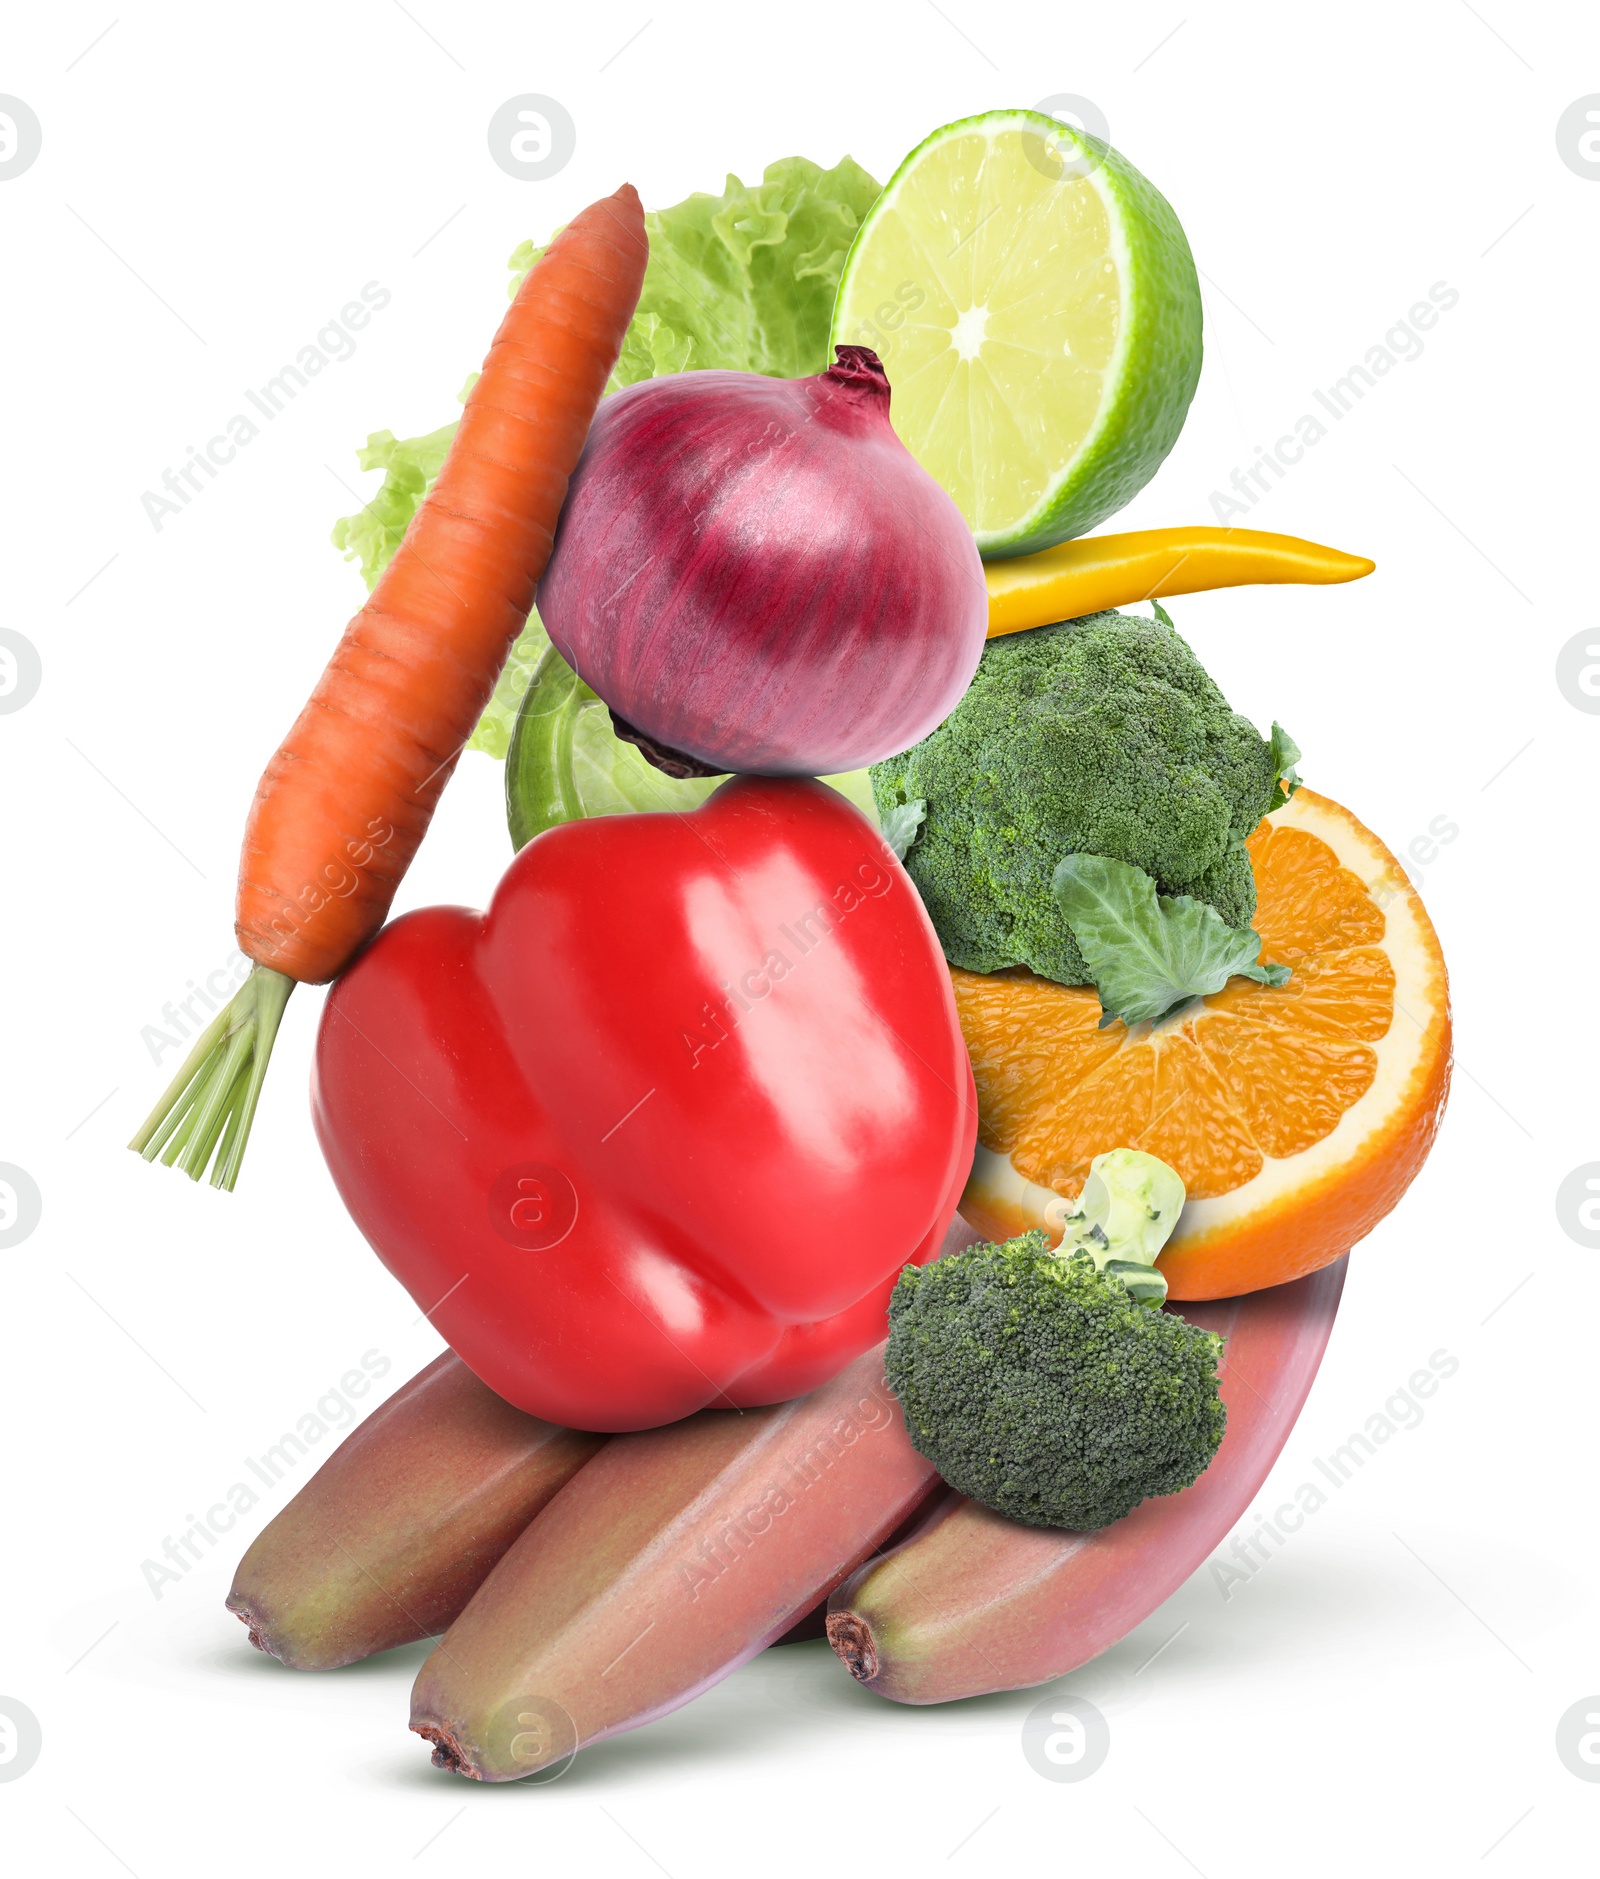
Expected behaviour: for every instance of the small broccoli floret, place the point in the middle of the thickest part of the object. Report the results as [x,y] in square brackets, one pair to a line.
[1036,1384]
[1100,736]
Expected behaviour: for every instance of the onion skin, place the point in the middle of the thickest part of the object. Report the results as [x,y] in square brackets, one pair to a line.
[756,572]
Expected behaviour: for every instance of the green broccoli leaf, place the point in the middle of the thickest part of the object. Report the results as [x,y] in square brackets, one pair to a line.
[901,823]
[1147,952]
[1285,755]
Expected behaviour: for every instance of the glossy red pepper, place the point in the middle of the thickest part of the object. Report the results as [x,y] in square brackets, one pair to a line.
[660,1128]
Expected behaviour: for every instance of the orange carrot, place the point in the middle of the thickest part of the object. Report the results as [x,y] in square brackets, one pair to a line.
[349,793]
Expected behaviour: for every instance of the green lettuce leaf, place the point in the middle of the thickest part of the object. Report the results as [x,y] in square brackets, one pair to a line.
[565,763]
[1150,952]
[744,281]
[739,282]
[373,533]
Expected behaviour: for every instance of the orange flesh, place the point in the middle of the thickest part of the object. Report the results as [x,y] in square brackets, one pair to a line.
[1249,1074]
[1257,1068]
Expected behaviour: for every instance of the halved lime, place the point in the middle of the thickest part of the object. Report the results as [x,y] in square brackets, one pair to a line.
[1035,304]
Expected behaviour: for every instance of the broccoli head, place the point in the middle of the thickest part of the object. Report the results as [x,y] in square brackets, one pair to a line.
[1038,1385]
[1100,736]
[1048,1383]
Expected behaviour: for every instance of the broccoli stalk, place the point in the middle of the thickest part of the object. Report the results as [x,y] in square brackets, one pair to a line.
[1125,1215]
[1046,1382]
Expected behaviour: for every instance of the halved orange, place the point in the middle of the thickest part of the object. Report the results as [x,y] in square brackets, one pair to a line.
[1296,1115]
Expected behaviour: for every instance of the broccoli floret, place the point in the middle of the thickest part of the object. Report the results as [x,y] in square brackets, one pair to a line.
[1100,736]
[1048,1383]
[1037,1384]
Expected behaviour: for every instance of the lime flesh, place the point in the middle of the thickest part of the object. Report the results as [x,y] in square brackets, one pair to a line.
[1036,307]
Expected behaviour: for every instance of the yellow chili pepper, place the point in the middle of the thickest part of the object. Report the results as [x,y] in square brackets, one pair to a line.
[1102,571]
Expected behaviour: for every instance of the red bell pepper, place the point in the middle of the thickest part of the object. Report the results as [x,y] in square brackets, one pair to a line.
[659,1129]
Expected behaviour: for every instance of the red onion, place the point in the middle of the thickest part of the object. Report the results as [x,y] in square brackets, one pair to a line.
[755,574]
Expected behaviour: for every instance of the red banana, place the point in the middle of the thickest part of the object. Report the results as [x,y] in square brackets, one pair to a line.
[674,1556]
[401,1524]
[974,1602]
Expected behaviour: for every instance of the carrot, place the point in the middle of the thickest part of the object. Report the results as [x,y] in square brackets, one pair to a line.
[349,793]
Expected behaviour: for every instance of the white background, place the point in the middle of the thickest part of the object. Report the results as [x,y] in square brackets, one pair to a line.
[214,185]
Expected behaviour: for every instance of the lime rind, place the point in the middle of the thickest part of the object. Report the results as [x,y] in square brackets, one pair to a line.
[1147,383]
